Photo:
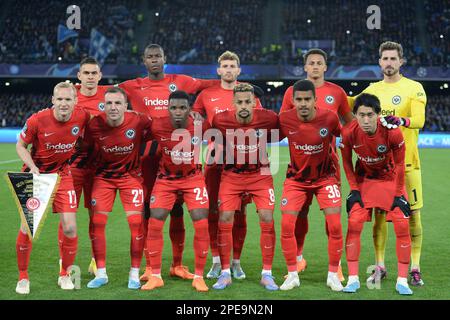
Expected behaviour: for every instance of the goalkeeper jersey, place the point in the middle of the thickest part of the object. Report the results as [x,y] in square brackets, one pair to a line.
[404,98]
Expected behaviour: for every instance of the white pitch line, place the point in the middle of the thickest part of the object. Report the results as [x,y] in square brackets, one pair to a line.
[9,161]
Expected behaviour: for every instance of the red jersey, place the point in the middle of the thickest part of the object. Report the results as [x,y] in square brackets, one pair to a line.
[118,147]
[246,144]
[380,156]
[329,96]
[214,100]
[95,104]
[151,97]
[180,151]
[310,144]
[53,142]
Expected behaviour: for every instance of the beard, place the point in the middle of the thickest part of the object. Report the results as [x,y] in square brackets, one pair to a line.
[390,71]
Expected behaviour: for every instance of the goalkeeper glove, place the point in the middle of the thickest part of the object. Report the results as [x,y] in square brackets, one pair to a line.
[352,198]
[259,92]
[403,205]
[392,122]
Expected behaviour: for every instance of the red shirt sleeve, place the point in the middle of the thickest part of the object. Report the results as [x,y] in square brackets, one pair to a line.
[347,161]
[287,100]
[344,107]
[193,85]
[397,144]
[199,105]
[29,131]
[146,124]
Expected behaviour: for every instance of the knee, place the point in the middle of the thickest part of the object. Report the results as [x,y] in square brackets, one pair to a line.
[199,214]
[70,230]
[226,217]
[266,217]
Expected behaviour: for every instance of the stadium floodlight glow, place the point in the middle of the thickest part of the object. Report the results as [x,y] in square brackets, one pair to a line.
[157,14]
[221,42]
[441,36]
[441,87]
[276,84]
[347,32]
[268,89]
[354,84]
[445,85]
[7,84]
[350,93]
[308,21]
[59,58]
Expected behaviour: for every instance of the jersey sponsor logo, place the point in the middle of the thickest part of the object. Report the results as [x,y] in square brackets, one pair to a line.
[323,132]
[329,99]
[388,113]
[33,203]
[75,130]
[178,155]
[396,100]
[284,201]
[101,106]
[60,147]
[217,110]
[309,148]
[130,133]
[117,149]
[159,104]
[381,148]
[172,87]
[247,148]
[93,202]
[370,160]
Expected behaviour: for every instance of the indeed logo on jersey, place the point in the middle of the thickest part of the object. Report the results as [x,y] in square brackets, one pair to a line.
[159,104]
[119,150]
[178,156]
[370,160]
[244,148]
[309,148]
[60,147]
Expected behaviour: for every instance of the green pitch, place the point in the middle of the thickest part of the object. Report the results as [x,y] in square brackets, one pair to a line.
[44,257]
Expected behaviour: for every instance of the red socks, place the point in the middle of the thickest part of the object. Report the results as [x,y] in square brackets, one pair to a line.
[267,243]
[155,243]
[144,228]
[137,239]
[69,252]
[353,240]
[213,227]
[99,239]
[239,233]
[288,243]
[225,242]
[334,227]
[60,239]
[23,250]
[403,246]
[301,229]
[177,235]
[201,245]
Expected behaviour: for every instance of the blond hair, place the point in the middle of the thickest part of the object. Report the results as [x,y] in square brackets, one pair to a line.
[229,55]
[243,87]
[65,85]
[390,45]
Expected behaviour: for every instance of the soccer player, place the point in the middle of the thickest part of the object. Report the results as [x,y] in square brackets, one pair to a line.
[53,133]
[210,102]
[403,104]
[329,96]
[180,171]
[310,132]
[376,181]
[149,95]
[90,97]
[117,135]
[246,170]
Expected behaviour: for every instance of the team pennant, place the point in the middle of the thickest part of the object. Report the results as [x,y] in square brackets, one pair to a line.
[34,195]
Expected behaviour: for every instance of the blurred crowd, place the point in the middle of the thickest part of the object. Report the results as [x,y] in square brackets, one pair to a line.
[197,31]
[16,108]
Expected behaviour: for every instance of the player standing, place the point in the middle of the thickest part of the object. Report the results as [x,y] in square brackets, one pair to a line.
[329,96]
[377,181]
[53,134]
[117,135]
[91,98]
[180,171]
[246,131]
[210,102]
[311,171]
[403,104]
[149,95]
